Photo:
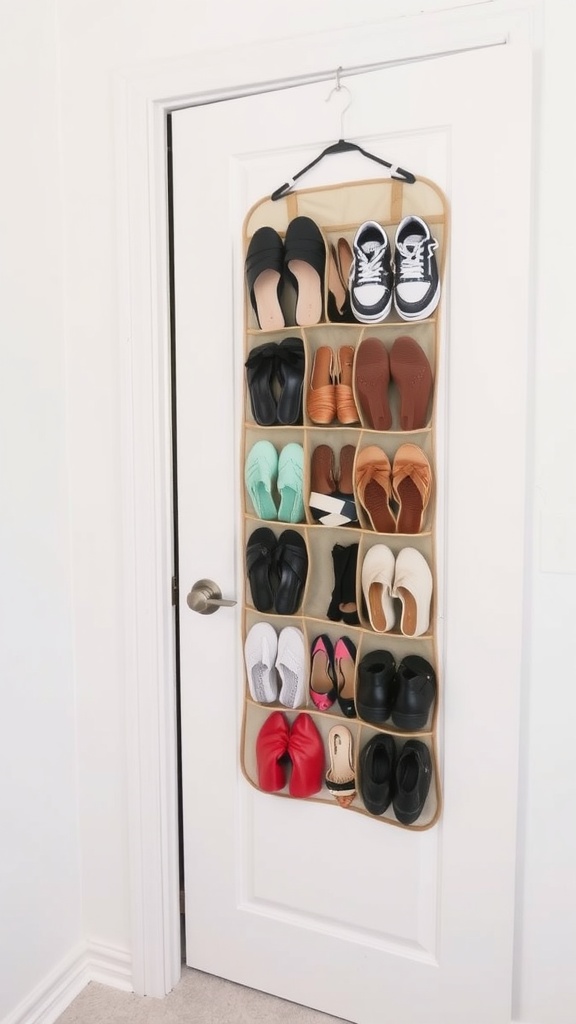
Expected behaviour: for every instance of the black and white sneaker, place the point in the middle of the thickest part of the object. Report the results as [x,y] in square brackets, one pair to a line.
[370,281]
[416,284]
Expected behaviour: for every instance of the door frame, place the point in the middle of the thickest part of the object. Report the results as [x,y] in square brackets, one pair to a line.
[143,99]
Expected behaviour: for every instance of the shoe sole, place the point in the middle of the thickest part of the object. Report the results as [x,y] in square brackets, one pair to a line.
[376,318]
[370,715]
[371,380]
[410,722]
[421,314]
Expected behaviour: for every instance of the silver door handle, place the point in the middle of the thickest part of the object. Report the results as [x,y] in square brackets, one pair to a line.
[206,597]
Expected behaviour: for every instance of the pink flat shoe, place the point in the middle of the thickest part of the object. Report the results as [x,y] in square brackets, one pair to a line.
[322,678]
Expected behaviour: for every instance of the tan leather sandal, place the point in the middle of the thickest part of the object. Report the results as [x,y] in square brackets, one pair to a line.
[321,398]
[346,410]
[411,486]
[374,488]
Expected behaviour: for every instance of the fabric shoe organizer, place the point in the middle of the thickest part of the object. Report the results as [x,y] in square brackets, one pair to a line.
[290,750]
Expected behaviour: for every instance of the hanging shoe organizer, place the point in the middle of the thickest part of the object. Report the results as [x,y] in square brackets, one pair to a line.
[350,540]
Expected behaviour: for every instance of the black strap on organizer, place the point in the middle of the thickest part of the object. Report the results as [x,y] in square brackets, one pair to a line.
[342,146]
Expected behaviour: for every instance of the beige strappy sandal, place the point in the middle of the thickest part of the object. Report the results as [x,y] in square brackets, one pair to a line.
[340,777]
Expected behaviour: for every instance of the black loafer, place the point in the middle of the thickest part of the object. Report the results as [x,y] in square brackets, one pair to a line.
[412,781]
[263,268]
[304,264]
[260,550]
[291,560]
[377,766]
[416,692]
[376,686]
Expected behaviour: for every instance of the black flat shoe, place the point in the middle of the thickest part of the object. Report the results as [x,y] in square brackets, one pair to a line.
[291,561]
[290,370]
[377,765]
[263,268]
[416,681]
[260,567]
[260,371]
[412,781]
[343,607]
[304,263]
[377,686]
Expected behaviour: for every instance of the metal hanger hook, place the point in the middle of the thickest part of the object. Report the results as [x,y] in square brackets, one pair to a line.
[340,89]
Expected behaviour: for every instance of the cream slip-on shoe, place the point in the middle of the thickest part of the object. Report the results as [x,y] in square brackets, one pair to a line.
[413,585]
[377,579]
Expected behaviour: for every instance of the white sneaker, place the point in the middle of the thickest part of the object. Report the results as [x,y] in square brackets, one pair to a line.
[377,580]
[291,667]
[416,280]
[413,585]
[370,280]
[260,651]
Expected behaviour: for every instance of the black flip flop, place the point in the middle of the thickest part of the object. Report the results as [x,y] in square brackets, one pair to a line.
[260,567]
[290,365]
[260,370]
[291,560]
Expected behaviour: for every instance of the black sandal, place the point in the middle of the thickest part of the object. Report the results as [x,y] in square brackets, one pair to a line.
[290,367]
[260,567]
[260,370]
[291,559]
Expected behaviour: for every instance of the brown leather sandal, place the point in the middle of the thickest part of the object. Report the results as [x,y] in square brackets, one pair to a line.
[346,410]
[321,398]
[374,488]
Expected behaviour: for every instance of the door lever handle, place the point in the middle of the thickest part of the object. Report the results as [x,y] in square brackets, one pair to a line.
[206,598]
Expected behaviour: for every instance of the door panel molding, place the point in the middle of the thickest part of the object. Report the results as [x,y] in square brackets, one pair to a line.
[143,98]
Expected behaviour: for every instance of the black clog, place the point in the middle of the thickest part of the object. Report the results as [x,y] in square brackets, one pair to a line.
[412,780]
[377,686]
[416,692]
[264,268]
[377,767]
[304,265]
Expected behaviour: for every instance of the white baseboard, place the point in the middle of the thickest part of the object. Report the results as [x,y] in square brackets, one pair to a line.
[89,961]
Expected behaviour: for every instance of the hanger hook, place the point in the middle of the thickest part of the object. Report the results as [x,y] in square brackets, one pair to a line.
[340,89]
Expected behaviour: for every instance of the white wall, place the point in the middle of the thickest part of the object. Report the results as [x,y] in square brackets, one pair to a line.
[39,838]
[95,38]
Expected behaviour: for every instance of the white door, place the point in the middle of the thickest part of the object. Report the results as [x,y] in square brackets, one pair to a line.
[330,909]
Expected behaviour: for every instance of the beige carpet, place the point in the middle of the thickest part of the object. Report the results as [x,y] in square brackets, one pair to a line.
[198,999]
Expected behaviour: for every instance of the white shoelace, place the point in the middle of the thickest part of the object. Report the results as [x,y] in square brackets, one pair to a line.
[370,268]
[412,262]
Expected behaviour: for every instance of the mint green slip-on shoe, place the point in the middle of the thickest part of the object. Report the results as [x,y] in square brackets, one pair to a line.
[260,472]
[291,484]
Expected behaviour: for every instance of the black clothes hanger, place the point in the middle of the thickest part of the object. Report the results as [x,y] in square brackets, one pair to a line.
[342,146]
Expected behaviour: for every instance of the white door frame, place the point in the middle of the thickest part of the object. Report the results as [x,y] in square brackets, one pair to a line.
[143,100]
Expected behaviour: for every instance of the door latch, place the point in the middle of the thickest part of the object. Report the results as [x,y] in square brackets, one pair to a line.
[206,598]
